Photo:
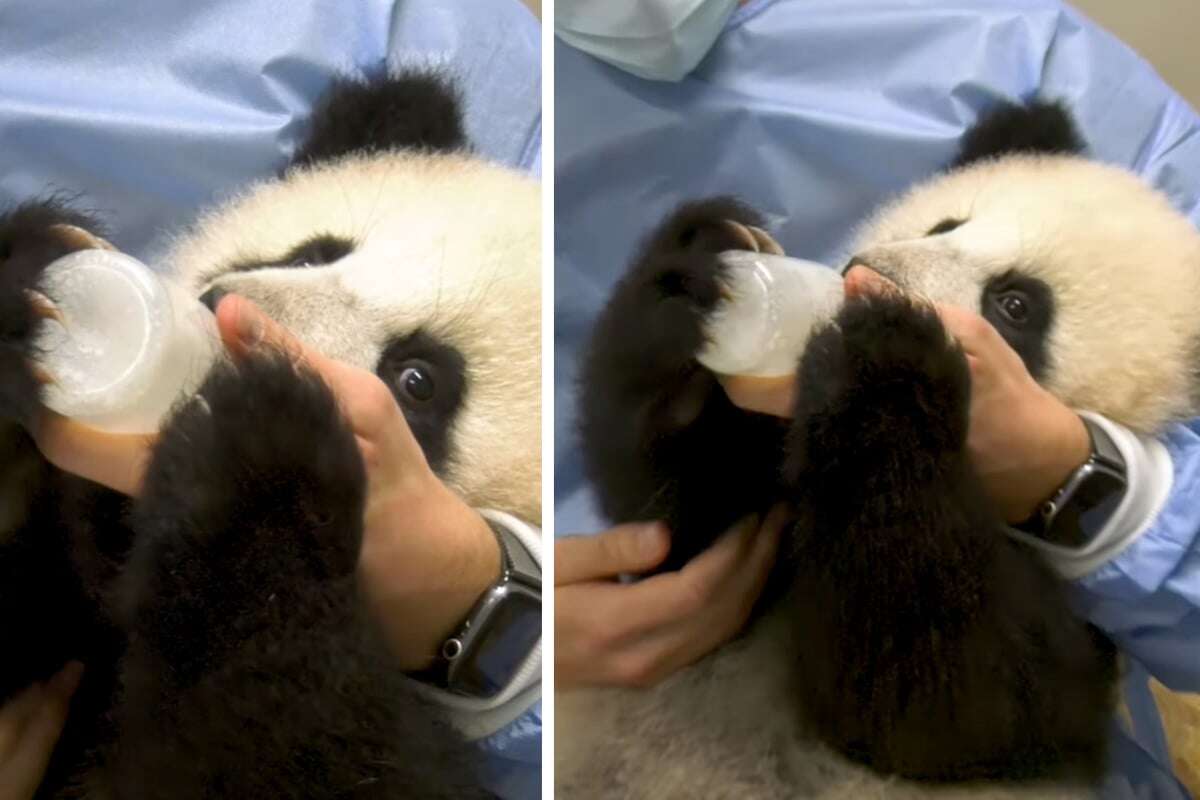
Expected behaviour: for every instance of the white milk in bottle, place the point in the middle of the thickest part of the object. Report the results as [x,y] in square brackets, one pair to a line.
[127,346]
[773,305]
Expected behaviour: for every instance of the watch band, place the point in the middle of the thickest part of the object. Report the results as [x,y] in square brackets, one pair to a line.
[520,563]
[1081,505]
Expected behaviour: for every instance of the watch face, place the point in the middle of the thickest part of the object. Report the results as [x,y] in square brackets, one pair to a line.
[1098,497]
[1089,507]
[511,631]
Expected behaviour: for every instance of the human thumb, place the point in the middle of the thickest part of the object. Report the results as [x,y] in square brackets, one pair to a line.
[630,548]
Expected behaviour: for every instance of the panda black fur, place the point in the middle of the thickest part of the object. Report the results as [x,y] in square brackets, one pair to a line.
[902,628]
[228,647]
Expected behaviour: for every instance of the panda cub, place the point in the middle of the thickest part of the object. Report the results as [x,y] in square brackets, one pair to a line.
[229,652]
[903,634]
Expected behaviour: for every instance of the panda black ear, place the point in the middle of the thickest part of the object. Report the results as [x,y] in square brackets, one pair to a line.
[415,109]
[1040,127]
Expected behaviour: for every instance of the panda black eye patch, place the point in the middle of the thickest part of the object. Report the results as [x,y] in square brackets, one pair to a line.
[945,226]
[428,378]
[316,251]
[1021,308]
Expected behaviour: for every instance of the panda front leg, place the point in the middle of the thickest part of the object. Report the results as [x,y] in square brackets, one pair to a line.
[935,646]
[660,438]
[46,613]
[254,668]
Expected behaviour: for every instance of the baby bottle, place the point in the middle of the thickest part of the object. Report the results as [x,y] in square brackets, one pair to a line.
[125,344]
[773,305]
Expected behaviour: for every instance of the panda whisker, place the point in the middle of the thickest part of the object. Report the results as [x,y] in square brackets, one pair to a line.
[477,296]
[375,209]
[359,235]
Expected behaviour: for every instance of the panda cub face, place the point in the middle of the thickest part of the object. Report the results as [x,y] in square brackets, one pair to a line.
[420,267]
[1091,276]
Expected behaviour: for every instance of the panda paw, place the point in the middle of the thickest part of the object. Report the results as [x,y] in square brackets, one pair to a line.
[642,353]
[679,265]
[658,312]
[32,235]
[253,498]
[884,378]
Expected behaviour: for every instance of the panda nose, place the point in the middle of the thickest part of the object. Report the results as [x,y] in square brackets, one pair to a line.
[212,297]
[855,261]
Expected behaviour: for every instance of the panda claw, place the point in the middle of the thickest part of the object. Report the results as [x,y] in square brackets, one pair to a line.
[42,375]
[755,239]
[743,234]
[78,239]
[766,243]
[44,308]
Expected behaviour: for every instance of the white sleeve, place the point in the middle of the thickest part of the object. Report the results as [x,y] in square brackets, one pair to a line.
[1148,474]
[476,717]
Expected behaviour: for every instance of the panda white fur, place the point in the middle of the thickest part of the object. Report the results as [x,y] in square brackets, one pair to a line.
[876,634]
[219,614]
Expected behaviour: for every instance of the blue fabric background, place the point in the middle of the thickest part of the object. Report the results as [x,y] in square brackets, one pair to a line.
[154,109]
[815,111]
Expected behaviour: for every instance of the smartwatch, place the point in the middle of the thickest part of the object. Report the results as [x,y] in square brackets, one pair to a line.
[1087,498]
[491,644]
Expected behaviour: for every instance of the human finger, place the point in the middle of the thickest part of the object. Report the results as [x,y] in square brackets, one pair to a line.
[765,395]
[989,356]
[47,718]
[752,576]
[672,647]
[365,400]
[666,600]
[244,326]
[15,713]
[724,582]
[115,460]
[707,571]
[975,335]
[626,549]
[25,765]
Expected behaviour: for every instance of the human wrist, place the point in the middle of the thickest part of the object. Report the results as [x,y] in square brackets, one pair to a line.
[1063,446]
[452,564]
[478,567]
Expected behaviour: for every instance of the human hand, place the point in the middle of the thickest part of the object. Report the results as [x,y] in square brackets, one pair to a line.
[636,634]
[30,725]
[426,555]
[1022,440]
[115,460]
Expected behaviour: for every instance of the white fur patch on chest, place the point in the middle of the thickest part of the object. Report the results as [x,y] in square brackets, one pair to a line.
[724,729]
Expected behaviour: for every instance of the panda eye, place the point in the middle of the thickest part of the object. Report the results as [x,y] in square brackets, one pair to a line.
[415,382]
[428,378]
[318,251]
[1022,309]
[315,251]
[1014,306]
[945,226]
